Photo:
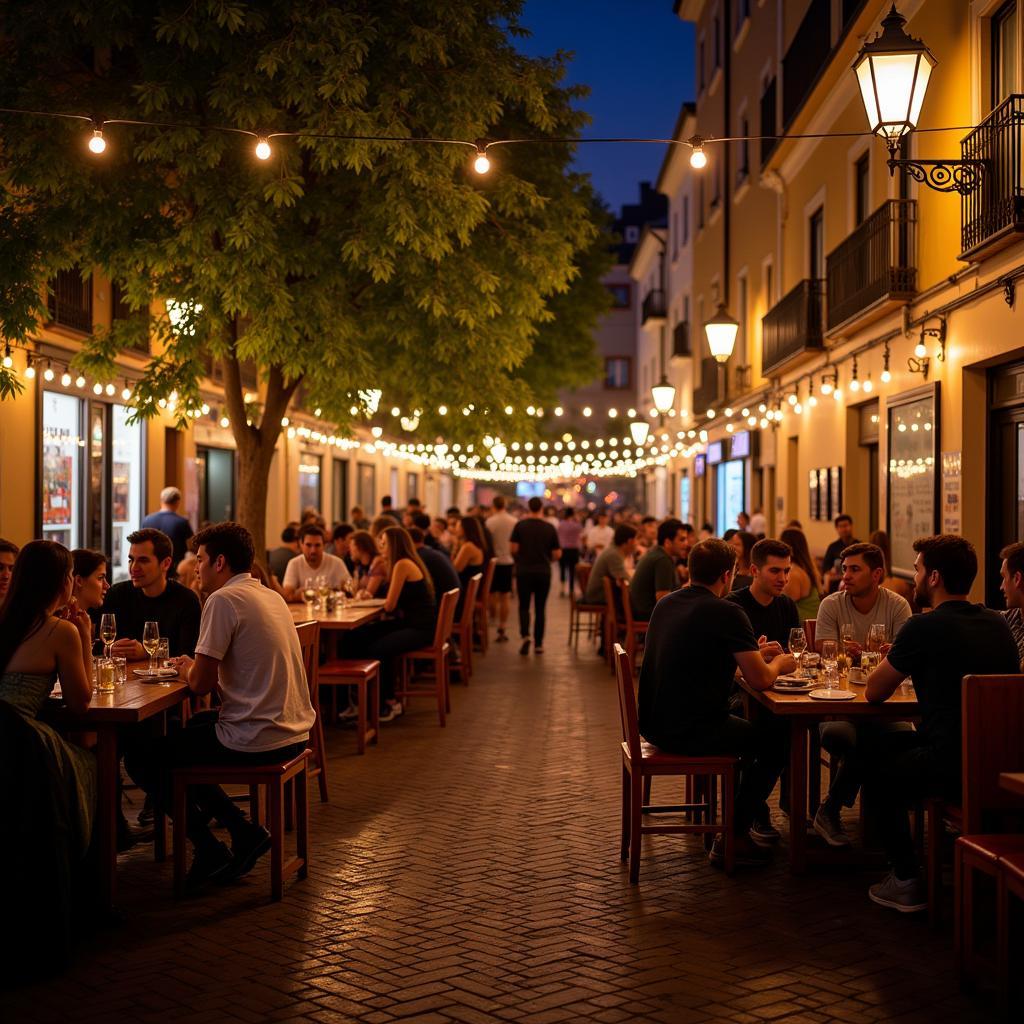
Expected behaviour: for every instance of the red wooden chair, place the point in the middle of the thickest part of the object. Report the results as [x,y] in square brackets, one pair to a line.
[612,628]
[483,605]
[433,682]
[1009,897]
[641,762]
[464,628]
[583,616]
[363,674]
[635,630]
[993,742]
[309,641]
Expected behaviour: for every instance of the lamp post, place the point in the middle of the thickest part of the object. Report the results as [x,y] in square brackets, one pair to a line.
[721,333]
[639,429]
[893,72]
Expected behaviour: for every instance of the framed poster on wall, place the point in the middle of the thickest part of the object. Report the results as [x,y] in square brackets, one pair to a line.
[912,435]
[835,491]
[824,498]
[814,495]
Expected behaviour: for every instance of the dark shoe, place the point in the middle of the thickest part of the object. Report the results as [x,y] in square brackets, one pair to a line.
[502,637]
[538,648]
[209,865]
[748,854]
[763,832]
[146,814]
[249,850]
[524,647]
[908,897]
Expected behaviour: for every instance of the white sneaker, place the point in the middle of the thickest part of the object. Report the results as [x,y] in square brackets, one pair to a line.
[392,712]
[830,828]
[349,714]
[908,896]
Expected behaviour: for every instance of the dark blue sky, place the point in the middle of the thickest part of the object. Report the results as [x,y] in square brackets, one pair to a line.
[637,57]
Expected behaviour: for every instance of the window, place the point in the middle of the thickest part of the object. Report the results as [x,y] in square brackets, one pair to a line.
[816,245]
[339,480]
[1004,52]
[631,234]
[366,487]
[63,447]
[768,121]
[310,467]
[393,487]
[621,295]
[69,300]
[617,373]
[861,197]
[215,476]
[126,487]
[412,486]
[686,220]
[743,164]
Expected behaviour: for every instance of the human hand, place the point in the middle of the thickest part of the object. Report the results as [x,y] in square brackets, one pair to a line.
[79,618]
[884,649]
[183,664]
[786,664]
[128,648]
[770,649]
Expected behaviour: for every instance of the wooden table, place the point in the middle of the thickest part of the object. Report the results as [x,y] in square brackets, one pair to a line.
[1013,782]
[804,712]
[106,715]
[343,619]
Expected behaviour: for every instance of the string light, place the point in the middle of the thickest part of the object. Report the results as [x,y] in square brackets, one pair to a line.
[48,372]
[263,148]
[885,375]
[30,370]
[854,382]
[8,358]
[79,381]
[698,158]
[65,379]
[481,164]
[97,144]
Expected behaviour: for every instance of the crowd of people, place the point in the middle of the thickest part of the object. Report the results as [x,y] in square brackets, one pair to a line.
[715,607]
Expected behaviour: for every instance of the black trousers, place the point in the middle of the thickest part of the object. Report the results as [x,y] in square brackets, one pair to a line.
[151,766]
[845,741]
[762,747]
[567,566]
[901,769]
[385,641]
[533,586]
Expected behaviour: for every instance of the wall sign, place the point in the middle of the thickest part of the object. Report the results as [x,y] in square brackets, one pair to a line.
[952,516]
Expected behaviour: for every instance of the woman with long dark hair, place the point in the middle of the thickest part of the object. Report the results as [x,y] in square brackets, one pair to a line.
[43,634]
[469,555]
[91,581]
[742,543]
[410,598]
[804,586]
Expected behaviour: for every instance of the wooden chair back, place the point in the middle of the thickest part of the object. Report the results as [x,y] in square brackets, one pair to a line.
[583,570]
[627,605]
[611,610]
[485,586]
[445,617]
[627,703]
[309,642]
[469,604]
[993,742]
[809,628]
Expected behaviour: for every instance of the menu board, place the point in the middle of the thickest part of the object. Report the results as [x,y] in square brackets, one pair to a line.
[913,437]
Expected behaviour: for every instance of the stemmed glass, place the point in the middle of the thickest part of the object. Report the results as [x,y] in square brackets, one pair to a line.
[830,663]
[877,637]
[151,641]
[797,644]
[108,632]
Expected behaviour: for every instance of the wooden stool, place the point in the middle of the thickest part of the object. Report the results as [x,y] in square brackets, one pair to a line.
[309,643]
[280,781]
[364,675]
[1010,886]
[436,656]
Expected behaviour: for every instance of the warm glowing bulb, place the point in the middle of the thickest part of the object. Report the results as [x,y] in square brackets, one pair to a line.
[837,394]
[30,371]
[48,373]
[442,410]
[97,144]
[263,150]
[8,362]
[66,379]
[126,393]
[868,386]
[79,381]
[855,384]
[885,376]
[110,389]
[698,158]
[711,414]
[812,401]
[481,164]
[920,351]
[225,422]
[792,399]
[587,411]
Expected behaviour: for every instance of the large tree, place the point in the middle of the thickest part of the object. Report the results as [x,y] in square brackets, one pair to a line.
[338,265]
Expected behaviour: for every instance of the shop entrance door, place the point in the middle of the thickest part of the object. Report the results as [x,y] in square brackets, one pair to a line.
[1005,472]
[216,473]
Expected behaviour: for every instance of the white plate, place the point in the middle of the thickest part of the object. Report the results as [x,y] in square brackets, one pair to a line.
[831,695]
[804,687]
[157,673]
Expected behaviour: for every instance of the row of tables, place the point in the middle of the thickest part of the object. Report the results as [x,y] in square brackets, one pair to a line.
[141,700]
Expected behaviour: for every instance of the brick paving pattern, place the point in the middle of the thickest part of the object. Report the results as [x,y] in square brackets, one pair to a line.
[471,874]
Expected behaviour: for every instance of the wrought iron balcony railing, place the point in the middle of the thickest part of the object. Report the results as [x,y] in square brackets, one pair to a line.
[653,307]
[877,261]
[793,326]
[681,340]
[993,213]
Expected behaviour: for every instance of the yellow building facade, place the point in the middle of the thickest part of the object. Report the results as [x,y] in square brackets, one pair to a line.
[881,321]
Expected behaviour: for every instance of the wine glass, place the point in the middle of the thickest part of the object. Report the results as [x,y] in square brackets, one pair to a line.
[151,641]
[830,664]
[108,631]
[309,595]
[797,644]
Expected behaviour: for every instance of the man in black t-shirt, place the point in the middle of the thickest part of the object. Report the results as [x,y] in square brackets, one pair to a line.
[534,546]
[772,613]
[694,644]
[832,573]
[955,639]
[149,596]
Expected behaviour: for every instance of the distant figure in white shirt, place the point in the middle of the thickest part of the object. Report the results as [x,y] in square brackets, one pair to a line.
[597,536]
[248,651]
[500,526]
[313,560]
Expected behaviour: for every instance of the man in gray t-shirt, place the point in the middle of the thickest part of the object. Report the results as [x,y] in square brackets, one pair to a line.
[611,562]
[861,602]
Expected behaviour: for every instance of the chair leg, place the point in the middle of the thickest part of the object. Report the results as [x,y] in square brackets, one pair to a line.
[275,818]
[363,692]
[626,819]
[373,699]
[728,812]
[302,823]
[647,789]
[320,756]
[178,838]
[934,850]
[254,804]
[289,806]
[635,826]
[159,836]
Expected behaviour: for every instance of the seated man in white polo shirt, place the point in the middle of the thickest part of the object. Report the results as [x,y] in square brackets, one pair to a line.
[249,652]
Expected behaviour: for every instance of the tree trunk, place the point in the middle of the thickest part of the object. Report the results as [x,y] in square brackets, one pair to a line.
[255,442]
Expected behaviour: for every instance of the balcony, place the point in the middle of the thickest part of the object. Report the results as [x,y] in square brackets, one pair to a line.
[138,336]
[793,326]
[706,396]
[681,340]
[992,217]
[653,307]
[69,300]
[875,268]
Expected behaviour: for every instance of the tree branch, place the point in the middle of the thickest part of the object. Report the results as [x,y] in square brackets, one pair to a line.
[279,394]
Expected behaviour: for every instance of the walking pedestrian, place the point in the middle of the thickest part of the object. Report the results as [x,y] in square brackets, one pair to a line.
[534,545]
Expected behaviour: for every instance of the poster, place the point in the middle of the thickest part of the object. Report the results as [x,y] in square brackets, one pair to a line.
[813,502]
[952,521]
[913,439]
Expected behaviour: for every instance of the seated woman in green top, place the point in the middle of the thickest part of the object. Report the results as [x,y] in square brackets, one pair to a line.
[804,585]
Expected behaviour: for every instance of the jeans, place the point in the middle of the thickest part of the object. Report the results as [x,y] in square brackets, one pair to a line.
[533,585]
[900,770]
[845,742]
[762,747]
[385,641]
[567,566]
[151,766]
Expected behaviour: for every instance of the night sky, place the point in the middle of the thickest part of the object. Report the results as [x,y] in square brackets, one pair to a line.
[637,57]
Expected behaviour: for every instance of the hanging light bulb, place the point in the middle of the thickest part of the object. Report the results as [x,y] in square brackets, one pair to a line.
[698,158]
[919,349]
[48,372]
[263,148]
[711,414]
[97,144]
[110,389]
[639,429]
[826,384]
[854,382]
[80,381]
[225,422]
[868,386]
[65,379]
[664,395]
[126,393]
[498,452]
[792,398]
[481,164]
[8,358]
[30,370]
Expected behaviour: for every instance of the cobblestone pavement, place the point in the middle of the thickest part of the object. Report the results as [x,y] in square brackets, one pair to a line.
[471,874]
